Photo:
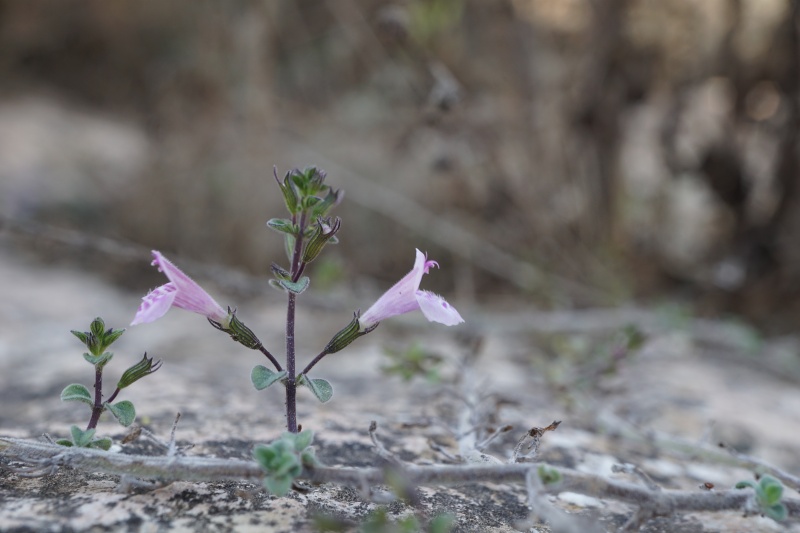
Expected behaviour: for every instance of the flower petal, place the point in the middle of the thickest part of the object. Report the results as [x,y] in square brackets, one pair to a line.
[190,296]
[436,309]
[155,304]
[401,298]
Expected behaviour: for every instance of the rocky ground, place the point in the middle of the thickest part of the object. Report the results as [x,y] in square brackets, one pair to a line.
[671,386]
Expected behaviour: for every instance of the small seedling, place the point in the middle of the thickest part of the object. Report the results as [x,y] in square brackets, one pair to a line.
[283,460]
[97,340]
[768,494]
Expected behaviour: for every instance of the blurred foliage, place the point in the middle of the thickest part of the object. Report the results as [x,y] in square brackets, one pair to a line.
[412,361]
[432,18]
[580,364]
[632,148]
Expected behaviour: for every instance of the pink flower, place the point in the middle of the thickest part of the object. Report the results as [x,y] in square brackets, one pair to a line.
[182,292]
[405,296]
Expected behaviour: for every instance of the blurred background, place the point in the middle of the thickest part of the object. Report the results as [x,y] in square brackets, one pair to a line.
[555,153]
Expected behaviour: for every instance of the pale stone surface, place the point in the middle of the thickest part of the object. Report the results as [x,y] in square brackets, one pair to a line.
[206,378]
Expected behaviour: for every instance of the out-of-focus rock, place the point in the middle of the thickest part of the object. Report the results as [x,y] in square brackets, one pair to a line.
[53,153]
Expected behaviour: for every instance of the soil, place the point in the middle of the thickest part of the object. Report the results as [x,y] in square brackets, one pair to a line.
[670,386]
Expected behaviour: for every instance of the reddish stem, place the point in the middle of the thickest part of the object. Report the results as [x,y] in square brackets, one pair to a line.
[97,409]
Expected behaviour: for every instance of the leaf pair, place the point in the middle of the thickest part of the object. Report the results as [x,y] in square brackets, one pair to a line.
[262,377]
[85,439]
[123,411]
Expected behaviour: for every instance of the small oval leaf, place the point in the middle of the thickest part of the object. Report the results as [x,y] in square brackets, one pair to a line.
[275,285]
[81,438]
[321,388]
[297,287]
[279,486]
[101,359]
[76,393]
[282,225]
[102,443]
[123,411]
[303,440]
[262,377]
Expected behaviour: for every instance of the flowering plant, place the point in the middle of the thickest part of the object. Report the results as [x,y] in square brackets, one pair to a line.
[306,232]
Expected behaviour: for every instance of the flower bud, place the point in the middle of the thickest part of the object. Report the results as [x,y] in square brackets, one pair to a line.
[243,335]
[97,339]
[238,331]
[347,335]
[141,369]
[322,234]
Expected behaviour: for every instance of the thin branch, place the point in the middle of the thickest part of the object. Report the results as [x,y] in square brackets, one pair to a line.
[720,455]
[556,518]
[271,357]
[380,449]
[198,469]
[313,362]
[480,446]
[628,468]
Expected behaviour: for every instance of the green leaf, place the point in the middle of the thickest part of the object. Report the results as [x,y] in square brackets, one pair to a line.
[297,287]
[279,272]
[102,443]
[83,337]
[279,486]
[549,475]
[310,201]
[282,225]
[745,484]
[289,193]
[64,442]
[263,455]
[442,523]
[309,458]
[98,327]
[112,335]
[81,438]
[76,393]
[101,359]
[771,489]
[303,440]
[275,285]
[409,524]
[123,411]
[262,377]
[321,388]
[288,242]
[288,464]
[777,512]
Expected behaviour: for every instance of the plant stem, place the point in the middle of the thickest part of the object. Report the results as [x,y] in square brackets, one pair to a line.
[271,357]
[97,410]
[291,382]
[313,362]
[114,396]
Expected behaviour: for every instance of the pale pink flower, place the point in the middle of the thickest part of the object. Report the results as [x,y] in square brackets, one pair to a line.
[182,292]
[405,296]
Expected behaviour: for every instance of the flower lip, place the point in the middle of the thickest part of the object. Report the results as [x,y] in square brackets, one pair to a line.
[181,291]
